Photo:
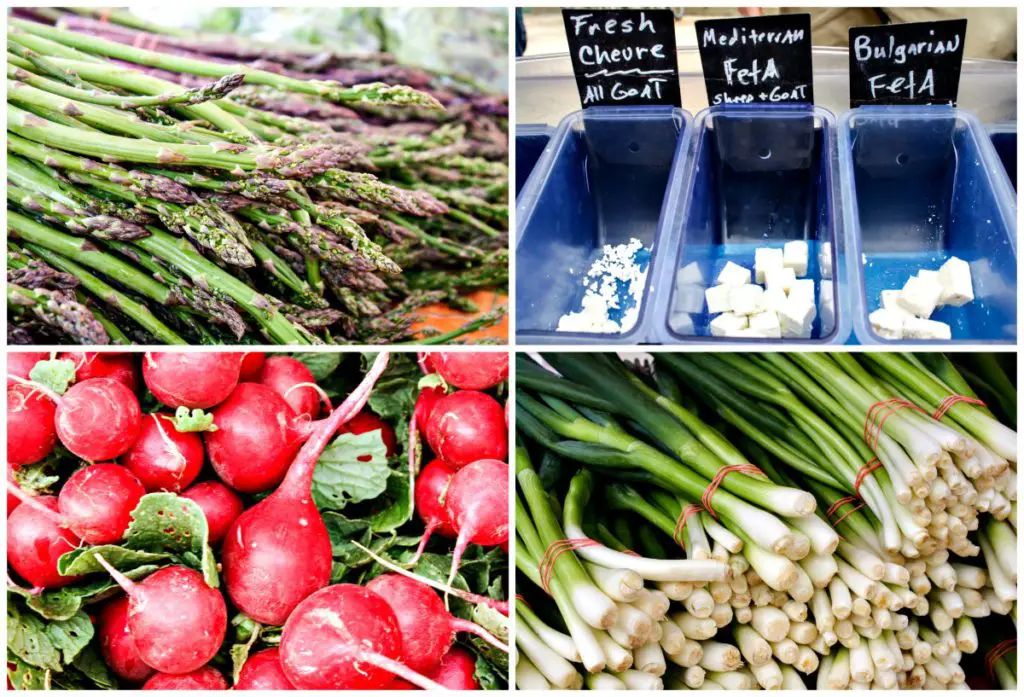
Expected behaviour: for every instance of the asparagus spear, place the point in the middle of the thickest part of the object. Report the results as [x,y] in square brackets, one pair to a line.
[59,310]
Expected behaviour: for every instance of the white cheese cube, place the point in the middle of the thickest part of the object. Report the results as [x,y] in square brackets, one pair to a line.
[891,302]
[783,278]
[887,324]
[825,259]
[728,322]
[795,257]
[803,288]
[689,297]
[766,258]
[690,273]
[745,333]
[916,328]
[796,318]
[766,324]
[955,279]
[681,323]
[733,275]
[746,299]
[717,298]
[826,301]
[920,295]
[931,277]
[774,299]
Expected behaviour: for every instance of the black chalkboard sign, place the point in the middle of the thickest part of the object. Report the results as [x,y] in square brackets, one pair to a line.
[623,57]
[917,63]
[750,60]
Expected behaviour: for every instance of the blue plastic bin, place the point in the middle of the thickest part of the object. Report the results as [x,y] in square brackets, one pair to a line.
[919,185]
[531,139]
[758,176]
[1004,139]
[602,181]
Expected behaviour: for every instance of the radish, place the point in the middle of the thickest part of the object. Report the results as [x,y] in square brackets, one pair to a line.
[120,367]
[291,379]
[263,671]
[97,502]
[193,380]
[163,458]
[344,637]
[252,362]
[467,426]
[278,552]
[477,504]
[205,678]
[31,431]
[431,490]
[428,629]
[35,541]
[366,422]
[98,419]
[456,671]
[471,371]
[219,504]
[177,621]
[425,403]
[423,359]
[21,363]
[399,684]
[12,498]
[116,643]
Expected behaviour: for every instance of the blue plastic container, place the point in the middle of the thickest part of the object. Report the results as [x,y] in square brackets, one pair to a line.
[758,176]
[919,185]
[531,139]
[603,180]
[1004,139]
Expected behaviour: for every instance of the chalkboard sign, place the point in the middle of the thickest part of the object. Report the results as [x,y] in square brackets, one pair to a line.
[917,63]
[623,57]
[750,60]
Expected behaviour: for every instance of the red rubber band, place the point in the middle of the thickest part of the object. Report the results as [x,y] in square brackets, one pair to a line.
[716,482]
[546,567]
[522,600]
[630,553]
[684,516]
[997,652]
[879,412]
[869,467]
[952,399]
[842,502]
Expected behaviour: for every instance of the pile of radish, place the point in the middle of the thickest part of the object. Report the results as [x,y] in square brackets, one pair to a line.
[218,520]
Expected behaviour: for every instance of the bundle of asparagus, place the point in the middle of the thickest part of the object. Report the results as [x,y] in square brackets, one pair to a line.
[161,191]
[769,560]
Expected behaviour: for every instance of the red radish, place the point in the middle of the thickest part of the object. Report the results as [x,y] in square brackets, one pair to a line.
[116,643]
[477,504]
[35,541]
[291,379]
[425,403]
[399,684]
[12,499]
[205,678]
[31,431]
[467,426]
[428,629]
[220,505]
[21,363]
[98,419]
[97,502]
[423,358]
[278,552]
[177,621]
[163,458]
[366,422]
[263,671]
[431,490]
[193,380]
[344,637]
[252,362]
[471,371]
[117,366]
[456,671]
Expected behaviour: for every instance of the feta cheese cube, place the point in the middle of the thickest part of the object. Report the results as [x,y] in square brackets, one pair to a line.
[681,323]
[825,259]
[690,273]
[826,301]
[920,295]
[717,298]
[766,324]
[766,258]
[728,322]
[746,299]
[887,324]
[955,279]
[689,297]
[917,328]
[891,302]
[795,257]
[783,278]
[733,275]
[745,333]
[803,288]
[796,318]
[774,299]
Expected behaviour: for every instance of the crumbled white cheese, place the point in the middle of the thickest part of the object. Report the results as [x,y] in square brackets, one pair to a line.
[783,278]
[774,299]
[795,257]
[728,322]
[766,258]
[891,302]
[745,299]
[615,286]
[717,298]
[733,275]
[887,324]
[955,279]
[917,328]
[920,295]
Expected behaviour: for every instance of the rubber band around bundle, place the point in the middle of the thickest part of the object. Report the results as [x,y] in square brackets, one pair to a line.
[684,515]
[839,504]
[951,400]
[547,562]
[716,482]
[522,600]
[997,652]
[630,553]
[879,412]
[869,467]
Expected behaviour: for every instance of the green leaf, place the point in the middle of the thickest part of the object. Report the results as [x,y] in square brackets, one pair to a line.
[71,636]
[37,479]
[81,561]
[24,676]
[64,603]
[195,421]
[42,644]
[491,620]
[431,380]
[399,510]
[90,664]
[485,675]
[168,522]
[56,374]
[320,364]
[342,478]
[240,652]
[343,532]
